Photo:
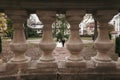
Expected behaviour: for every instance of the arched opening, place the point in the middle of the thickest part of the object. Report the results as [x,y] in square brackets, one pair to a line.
[87,28]
[115,33]
[33,27]
[61,30]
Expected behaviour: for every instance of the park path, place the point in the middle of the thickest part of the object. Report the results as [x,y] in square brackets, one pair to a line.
[59,44]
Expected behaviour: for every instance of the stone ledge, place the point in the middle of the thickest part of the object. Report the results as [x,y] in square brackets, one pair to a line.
[75,64]
[65,76]
[33,72]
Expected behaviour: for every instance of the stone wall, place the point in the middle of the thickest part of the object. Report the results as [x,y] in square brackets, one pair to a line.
[31,72]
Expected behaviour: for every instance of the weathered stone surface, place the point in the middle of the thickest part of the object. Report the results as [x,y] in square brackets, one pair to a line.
[47,44]
[62,73]
[67,76]
[74,43]
[74,64]
[60,4]
[2,67]
[18,44]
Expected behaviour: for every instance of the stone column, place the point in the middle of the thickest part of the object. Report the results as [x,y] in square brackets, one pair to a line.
[47,44]
[18,44]
[74,44]
[103,44]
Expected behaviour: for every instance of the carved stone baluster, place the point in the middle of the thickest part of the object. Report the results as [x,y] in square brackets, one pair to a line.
[47,44]
[74,44]
[103,44]
[18,44]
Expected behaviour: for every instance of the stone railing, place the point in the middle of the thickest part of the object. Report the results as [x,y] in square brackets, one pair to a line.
[21,67]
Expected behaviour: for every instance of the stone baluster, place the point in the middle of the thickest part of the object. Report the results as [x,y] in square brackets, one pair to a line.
[103,44]
[47,44]
[18,44]
[74,44]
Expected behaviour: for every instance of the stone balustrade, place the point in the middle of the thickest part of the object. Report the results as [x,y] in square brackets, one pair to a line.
[47,68]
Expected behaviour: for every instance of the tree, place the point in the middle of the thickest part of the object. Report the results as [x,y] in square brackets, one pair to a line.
[3,20]
[29,32]
[61,27]
[9,30]
[61,31]
[6,25]
[2,27]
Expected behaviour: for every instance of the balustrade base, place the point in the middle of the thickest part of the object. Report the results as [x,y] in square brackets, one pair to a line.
[17,61]
[13,67]
[118,63]
[47,66]
[73,64]
[104,65]
[43,64]
[2,66]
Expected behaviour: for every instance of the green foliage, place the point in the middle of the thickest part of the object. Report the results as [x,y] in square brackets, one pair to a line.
[30,33]
[117,45]
[2,22]
[59,36]
[66,36]
[62,27]
[9,30]
[0,45]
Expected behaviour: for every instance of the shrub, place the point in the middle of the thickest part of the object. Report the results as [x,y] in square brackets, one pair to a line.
[117,46]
